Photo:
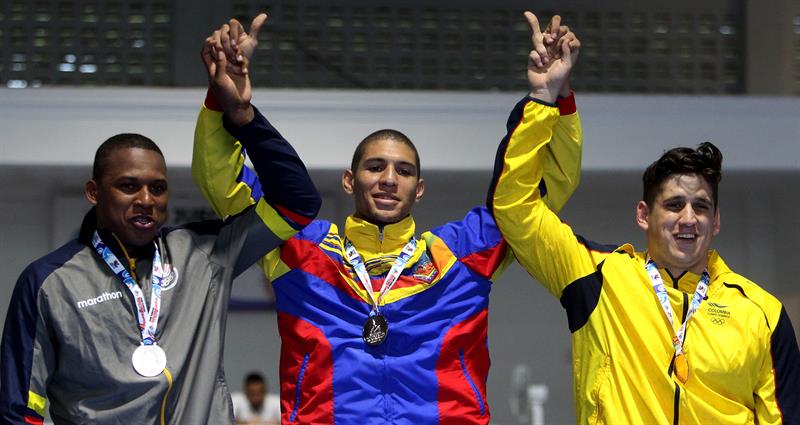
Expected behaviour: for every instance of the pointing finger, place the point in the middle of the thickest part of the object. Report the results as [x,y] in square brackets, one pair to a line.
[255,26]
[536,35]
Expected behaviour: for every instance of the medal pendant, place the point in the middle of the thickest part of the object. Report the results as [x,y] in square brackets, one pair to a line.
[375,330]
[149,360]
[682,367]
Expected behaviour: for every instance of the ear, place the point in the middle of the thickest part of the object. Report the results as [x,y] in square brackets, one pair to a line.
[347,181]
[642,215]
[420,189]
[717,223]
[90,191]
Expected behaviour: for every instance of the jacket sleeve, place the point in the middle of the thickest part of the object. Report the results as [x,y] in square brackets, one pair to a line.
[280,189]
[536,169]
[26,355]
[562,164]
[218,165]
[777,392]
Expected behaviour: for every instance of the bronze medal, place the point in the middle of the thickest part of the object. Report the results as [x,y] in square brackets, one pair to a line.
[682,367]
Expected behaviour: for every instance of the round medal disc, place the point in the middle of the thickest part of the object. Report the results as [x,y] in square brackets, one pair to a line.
[375,330]
[149,360]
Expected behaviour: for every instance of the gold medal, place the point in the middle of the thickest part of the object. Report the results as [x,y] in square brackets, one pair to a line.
[682,367]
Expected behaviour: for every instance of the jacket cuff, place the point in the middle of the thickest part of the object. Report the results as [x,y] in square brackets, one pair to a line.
[211,101]
[566,105]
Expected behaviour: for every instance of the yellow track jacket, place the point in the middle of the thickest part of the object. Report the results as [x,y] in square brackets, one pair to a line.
[744,365]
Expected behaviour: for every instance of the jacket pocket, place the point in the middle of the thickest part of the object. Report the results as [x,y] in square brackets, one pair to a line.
[298,387]
[598,392]
[478,397]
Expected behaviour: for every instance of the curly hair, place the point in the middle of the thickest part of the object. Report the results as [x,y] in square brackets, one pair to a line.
[704,161]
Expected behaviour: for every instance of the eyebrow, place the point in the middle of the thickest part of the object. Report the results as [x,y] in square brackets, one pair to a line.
[685,199]
[121,179]
[385,161]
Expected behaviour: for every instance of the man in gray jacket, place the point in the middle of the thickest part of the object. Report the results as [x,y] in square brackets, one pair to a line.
[126,323]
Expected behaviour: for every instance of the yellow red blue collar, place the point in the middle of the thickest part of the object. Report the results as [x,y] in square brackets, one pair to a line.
[372,240]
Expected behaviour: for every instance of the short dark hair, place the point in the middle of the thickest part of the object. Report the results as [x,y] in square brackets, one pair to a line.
[120,141]
[388,134]
[254,378]
[704,161]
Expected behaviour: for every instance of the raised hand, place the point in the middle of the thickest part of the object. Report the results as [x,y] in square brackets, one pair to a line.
[231,89]
[551,58]
[239,46]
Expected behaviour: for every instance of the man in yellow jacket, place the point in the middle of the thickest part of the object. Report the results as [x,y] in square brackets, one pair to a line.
[666,336]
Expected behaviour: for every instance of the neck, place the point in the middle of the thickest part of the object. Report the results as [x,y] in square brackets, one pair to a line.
[380,224]
[677,271]
[130,251]
[373,239]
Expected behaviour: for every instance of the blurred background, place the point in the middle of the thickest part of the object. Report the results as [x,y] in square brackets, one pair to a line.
[651,75]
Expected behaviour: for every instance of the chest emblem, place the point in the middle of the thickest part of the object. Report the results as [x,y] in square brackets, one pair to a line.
[170,277]
[718,313]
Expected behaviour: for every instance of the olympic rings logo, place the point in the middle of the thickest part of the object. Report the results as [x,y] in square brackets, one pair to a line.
[718,320]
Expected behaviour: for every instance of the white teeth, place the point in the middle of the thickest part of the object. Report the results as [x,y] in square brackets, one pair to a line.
[685,236]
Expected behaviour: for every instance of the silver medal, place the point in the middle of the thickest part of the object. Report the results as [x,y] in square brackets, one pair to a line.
[375,330]
[149,360]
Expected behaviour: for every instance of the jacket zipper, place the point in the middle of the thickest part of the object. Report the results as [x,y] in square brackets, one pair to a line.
[297,388]
[677,403]
[471,382]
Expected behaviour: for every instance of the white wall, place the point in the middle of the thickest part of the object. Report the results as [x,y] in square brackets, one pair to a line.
[454,130]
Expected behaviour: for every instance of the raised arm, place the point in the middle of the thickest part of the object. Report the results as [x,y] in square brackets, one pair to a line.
[287,200]
[529,162]
[218,160]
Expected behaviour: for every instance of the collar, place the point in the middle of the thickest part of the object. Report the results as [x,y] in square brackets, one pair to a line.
[687,282]
[372,240]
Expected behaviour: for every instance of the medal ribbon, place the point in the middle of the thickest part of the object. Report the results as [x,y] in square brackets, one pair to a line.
[147,318]
[663,299]
[391,278]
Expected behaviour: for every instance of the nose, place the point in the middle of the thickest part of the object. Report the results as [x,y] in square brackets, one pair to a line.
[389,177]
[688,216]
[144,198]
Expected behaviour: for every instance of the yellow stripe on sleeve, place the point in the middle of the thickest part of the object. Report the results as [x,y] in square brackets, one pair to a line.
[274,221]
[36,403]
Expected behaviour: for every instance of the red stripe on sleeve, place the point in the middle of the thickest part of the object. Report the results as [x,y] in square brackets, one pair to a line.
[33,421]
[566,105]
[211,101]
[487,261]
[297,218]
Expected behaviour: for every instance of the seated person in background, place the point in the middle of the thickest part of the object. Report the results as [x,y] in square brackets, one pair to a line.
[256,406]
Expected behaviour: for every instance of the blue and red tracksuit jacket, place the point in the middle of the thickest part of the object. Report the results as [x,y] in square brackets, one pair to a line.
[434,362]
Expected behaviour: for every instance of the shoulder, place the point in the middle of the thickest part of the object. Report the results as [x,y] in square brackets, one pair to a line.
[237,397]
[304,244]
[475,232]
[317,231]
[39,270]
[757,298]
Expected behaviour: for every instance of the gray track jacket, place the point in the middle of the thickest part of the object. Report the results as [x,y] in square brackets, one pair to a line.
[71,327]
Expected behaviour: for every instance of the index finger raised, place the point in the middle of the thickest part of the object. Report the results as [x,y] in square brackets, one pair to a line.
[536,35]
[255,26]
